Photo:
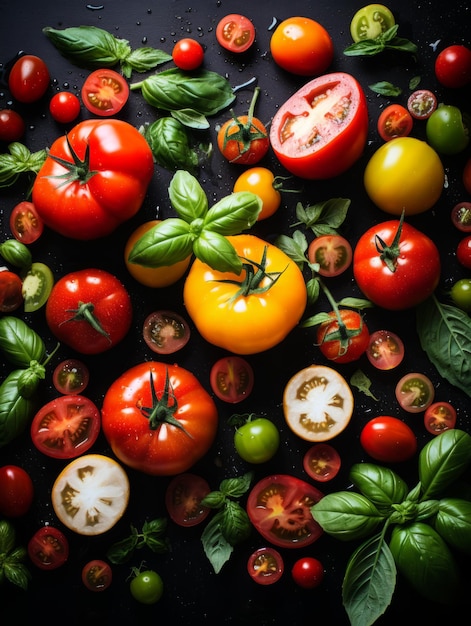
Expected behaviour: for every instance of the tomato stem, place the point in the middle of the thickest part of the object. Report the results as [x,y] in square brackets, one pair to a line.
[389,254]
[247,132]
[77,170]
[85,313]
[343,334]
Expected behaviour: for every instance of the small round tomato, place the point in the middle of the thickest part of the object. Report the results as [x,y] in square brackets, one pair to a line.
[421,104]
[28,79]
[48,548]
[188,54]
[394,121]
[302,46]
[333,254]
[257,440]
[308,572]
[11,291]
[461,216]
[439,416]
[453,66]
[147,587]
[71,377]
[64,107]
[105,92]
[12,126]
[322,462]
[265,566]
[385,350]
[16,491]
[467,176]
[165,332]
[388,439]
[463,252]
[232,379]
[97,575]
[370,22]
[461,294]
[235,33]
[344,337]
[183,499]
[415,392]
[26,224]
[446,130]
[262,182]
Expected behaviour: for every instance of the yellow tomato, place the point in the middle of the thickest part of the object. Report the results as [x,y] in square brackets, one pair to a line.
[261,182]
[404,174]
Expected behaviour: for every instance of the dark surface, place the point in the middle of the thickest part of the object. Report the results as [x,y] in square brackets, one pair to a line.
[193,593]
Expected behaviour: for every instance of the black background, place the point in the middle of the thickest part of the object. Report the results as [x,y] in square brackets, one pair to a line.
[192,591]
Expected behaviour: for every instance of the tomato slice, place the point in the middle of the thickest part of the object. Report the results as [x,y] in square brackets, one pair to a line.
[370,22]
[48,548]
[232,379]
[439,416]
[422,103]
[37,286]
[183,499]
[415,392]
[26,224]
[394,121]
[97,575]
[279,506]
[235,33]
[265,566]
[461,216]
[105,92]
[11,294]
[71,377]
[165,332]
[385,350]
[322,462]
[333,253]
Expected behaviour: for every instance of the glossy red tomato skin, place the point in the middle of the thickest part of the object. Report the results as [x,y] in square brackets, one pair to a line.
[453,66]
[48,548]
[16,491]
[11,296]
[188,54]
[463,252]
[331,346]
[12,126]
[417,273]
[344,142]
[111,306]
[25,223]
[64,107]
[308,572]
[29,79]
[167,450]
[388,439]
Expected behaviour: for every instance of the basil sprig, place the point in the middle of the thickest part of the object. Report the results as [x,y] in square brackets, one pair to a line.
[386,41]
[19,160]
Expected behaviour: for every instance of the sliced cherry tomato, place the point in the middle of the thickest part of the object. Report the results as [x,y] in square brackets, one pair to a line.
[105,92]
[64,107]
[262,182]
[421,104]
[11,291]
[415,392]
[66,427]
[453,66]
[16,491]
[71,377]
[28,79]
[322,462]
[370,22]
[235,33]
[232,379]
[48,548]
[385,350]
[37,286]
[388,439]
[333,254]
[97,575]
[265,566]
[308,572]
[461,216]
[165,332]
[439,416]
[394,121]
[25,223]
[279,507]
[183,499]
[188,54]
[461,294]
[12,125]
[463,252]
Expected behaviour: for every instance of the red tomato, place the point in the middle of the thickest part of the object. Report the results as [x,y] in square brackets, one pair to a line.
[158,418]
[388,439]
[12,126]
[453,66]
[322,462]
[321,130]
[343,341]
[463,252]
[279,507]
[183,499]
[25,223]
[16,491]
[28,79]
[235,33]
[308,572]
[90,200]
[97,575]
[439,416]
[394,121]
[385,350]
[265,566]
[11,295]
[64,107]
[461,216]
[89,311]
[48,548]
[232,379]
[333,253]
[415,392]
[402,272]
[188,54]
[467,176]
[105,92]
[71,377]
[421,104]
[165,332]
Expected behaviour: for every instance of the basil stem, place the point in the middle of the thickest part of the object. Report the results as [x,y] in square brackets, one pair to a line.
[387,40]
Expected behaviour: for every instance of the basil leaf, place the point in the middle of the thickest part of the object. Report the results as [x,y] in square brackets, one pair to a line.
[386,89]
[170,144]
[187,196]
[234,213]
[381,485]
[19,343]
[143,59]
[236,487]
[453,523]
[17,573]
[7,536]
[19,160]
[323,218]
[294,247]
[15,410]
[215,545]
[166,243]
[16,253]
[217,252]
[235,523]
[191,118]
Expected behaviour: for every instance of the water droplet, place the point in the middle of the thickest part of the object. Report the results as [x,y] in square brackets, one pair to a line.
[144,40]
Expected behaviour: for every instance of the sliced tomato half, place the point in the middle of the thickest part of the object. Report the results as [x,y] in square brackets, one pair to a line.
[183,499]
[105,92]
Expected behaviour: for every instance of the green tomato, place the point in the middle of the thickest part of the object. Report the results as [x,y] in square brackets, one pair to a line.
[446,130]
[257,440]
[461,294]
[147,587]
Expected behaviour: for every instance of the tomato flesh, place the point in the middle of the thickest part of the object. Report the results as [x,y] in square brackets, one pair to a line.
[105,92]
[415,392]
[461,216]
[11,296]
[322,462]
[333,254]
[97,575]
[265,566]
[385,350]
[71,377]
[26,224]
[165,332]
[235,33]
[421,104]
[370,22]
[232,379]
[48,548]
[183,499]
[394,121]
[439,416]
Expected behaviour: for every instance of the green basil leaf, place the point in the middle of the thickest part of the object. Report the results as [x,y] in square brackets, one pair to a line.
[361,381]
[170,144]
[15,410]
[236,487]
[214,500]
[144,59]
[381,485]
[217,252]
[347,515]
[16,253]
[295,247]
[453,523]
[366,47]
[235,523]
[166,243]
[234,213]
[20,160]
[402,45]
[121,551]
[17,574]
[215,545]
[384,88]
[7,536]
[191,118]
[19,343]
[29,380]
[187,196]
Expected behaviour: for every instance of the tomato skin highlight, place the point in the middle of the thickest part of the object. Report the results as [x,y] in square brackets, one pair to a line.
[453,66]
[260,181]
[257,441]
[16,491]
[308,572]
[29,79]
[388,439]
[188,54]
[147,587]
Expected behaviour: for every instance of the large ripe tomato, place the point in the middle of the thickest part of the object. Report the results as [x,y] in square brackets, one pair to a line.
[89,310]
[321,130]
[453,66]
[158,418]
[252,312]
[396,267]
[343,340]
[388,439]
[98,181]
[28,79]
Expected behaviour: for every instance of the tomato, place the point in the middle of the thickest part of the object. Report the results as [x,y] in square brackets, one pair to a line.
[404,174]
[446,130]
[308,572]
[89,311]
[188,54]
[370,22]
[321,130]
[183,499]
[158,418]
[253,316]
[265,566]
[453,66]
[421,104]
[385,350]
[394,121]
[415,392]
[317,403]
[257,440]
[97,575]
[461,216]
[279,507]
[262,182]
[89,199]
[25,223]
[395,265]
[231,378]
[388,439]
[439,416]
[333,254]
[12,126]
[16,491]
[467,176]
[90,494]
[302,46]
[165,332]
[461,294]
[48,548]
[235,33]
[66,427]
[105,92]
[147,587]
[343,340]
[64,107]
[11,296]
[29,79]
[37,286]
[71,377]
[463,252]
[322,462]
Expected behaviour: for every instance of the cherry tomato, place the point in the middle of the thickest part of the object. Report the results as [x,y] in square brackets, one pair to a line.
[64,107]
[388,439]
[48,548]
[265,566]
[16,491]
[232,379]
[446,130]
[415,392]
[235,33]
[183,499]
[463,252]
[11,294]
[25,223]
[257,440]
[385,350]
[165,332]
[29,79]
[308,572]
[467,176]
[322,462]
[394,121]
[12,126]
[262,182]
[188,54]
[370,22]
[461,216]
[333,254]
[421,104]
[453,66]
[439,416]
[343,341]
[105,92]
[71,377]
[302,46]
[147,587]
[461,294]
[97,575]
